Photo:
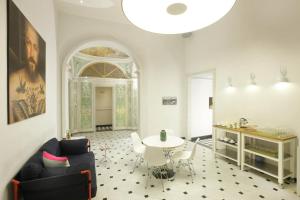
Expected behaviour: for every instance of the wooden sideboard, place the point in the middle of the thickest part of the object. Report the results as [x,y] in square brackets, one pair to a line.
[271,154]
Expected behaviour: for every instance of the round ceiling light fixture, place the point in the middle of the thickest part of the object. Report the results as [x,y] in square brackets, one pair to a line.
[175,16]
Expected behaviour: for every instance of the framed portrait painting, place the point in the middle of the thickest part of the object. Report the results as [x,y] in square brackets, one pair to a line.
[26,67]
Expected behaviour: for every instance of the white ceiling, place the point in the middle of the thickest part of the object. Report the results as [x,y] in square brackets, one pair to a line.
[108,10]
[272,13]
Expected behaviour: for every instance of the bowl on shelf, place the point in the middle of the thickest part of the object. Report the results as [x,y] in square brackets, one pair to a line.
[232,141]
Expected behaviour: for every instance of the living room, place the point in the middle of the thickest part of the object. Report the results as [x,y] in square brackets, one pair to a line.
[255,44]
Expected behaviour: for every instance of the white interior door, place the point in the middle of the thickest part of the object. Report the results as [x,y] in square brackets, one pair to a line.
[103,105]
[201,109]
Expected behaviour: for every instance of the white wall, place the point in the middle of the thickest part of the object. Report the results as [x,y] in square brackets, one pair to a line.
[201,115]
[161,64]
[103,105]
[252,39]
[20,140]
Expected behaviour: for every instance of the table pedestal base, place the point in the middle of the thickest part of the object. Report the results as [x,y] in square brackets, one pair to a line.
[164,174]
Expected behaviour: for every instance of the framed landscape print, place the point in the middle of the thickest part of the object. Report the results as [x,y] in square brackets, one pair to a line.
[169,100]
[26,67]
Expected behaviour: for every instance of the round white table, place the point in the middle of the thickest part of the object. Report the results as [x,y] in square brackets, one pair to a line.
[171,142]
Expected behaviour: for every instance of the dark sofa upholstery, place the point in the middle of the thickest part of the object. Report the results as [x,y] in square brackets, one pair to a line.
[77,182]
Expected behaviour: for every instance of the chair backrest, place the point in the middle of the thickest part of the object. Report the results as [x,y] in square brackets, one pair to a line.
[155,156]
[194,148]
[136,140]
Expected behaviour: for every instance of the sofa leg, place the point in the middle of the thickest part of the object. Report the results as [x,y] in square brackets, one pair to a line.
[16,185]
[88,173]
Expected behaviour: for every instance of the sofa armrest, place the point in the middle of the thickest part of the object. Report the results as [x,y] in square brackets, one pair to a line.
[74,147]
[73,186]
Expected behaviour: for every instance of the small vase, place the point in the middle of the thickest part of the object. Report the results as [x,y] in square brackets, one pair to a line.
[163,136]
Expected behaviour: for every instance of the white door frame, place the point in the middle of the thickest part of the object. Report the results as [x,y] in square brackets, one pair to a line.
[189,80]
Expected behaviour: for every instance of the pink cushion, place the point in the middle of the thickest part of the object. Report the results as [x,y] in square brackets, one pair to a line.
[50,160]
[53,157]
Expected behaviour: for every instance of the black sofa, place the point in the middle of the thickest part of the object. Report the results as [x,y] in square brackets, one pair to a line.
[77,182]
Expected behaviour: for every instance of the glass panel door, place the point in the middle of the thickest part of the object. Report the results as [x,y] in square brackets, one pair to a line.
[86,103]
[80,105]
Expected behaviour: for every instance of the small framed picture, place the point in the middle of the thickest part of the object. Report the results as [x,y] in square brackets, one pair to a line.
[211,103]
[169,101]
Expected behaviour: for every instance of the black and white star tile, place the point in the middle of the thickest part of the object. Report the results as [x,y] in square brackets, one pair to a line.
[216,179]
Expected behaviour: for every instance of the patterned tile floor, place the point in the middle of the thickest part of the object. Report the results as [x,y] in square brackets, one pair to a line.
[206,142]
[216,179]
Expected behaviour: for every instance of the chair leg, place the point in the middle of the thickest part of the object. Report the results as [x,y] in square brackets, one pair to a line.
[135,163]
[161,179]
[191,171]
[192,165]
[148,174]
[179,164]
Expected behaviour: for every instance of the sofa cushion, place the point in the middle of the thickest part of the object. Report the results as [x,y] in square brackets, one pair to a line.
[74,147]
[61,171]
[32,168]
[30,171]
[52,146]
[50,160]
[86,159]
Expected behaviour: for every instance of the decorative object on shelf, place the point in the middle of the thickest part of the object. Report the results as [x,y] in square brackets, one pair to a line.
[243,122]
[174,17]
[227,140]
[232,141]
[68,135]
[26,67]
[236,125]
[163,135]
[169,100]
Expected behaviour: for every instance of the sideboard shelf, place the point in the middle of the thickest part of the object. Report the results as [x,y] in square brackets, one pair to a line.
[270,154]
[225,149]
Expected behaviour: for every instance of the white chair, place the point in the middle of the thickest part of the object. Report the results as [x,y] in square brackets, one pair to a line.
[176,150]
[156,163]
[185,158]
[138,148]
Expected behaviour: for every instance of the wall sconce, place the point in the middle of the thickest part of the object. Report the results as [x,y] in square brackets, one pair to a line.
[283,82]
[283,75]
[230,88]
[230,82]
[253,86]
[252,79]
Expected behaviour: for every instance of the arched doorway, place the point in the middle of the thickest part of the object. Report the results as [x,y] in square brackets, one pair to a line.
[100,64]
